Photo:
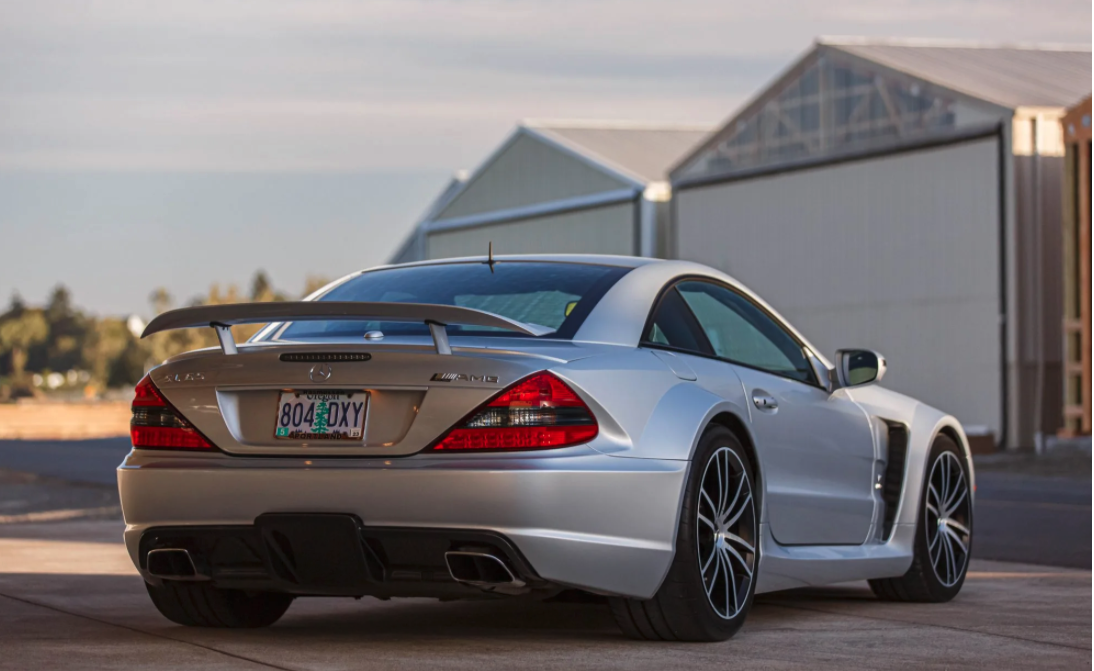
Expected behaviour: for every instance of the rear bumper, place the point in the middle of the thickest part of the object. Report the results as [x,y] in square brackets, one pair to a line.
[577,517]
[322,554]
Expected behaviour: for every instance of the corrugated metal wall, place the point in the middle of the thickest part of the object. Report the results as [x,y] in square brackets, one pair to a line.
[898,254]
[1038,319]
[600,230]
[527,172]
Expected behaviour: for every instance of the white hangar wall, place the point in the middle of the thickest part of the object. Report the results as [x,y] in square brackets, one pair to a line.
[898,253]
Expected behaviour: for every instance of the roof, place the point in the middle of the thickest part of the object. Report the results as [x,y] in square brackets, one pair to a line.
[601,259]
[646,151]
[1011,75]
[1001,76]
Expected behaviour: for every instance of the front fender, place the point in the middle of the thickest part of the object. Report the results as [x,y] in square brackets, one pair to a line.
[924,424]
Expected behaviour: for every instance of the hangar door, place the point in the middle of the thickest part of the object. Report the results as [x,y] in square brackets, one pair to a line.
[898,253]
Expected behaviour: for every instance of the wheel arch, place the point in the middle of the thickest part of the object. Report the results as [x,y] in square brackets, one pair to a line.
[728,416]
[739,428]
[954,433]
[927,425]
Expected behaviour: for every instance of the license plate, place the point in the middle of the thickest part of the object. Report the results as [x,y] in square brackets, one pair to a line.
[321,415]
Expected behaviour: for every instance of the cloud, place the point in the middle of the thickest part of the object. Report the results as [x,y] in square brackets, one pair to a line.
[235,130]
[327,84]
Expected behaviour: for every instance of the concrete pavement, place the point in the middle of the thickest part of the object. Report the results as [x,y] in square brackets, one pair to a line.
[69,598]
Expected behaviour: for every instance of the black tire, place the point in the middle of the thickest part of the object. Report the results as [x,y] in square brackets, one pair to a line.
[199,604]
[927,581]
[681,610]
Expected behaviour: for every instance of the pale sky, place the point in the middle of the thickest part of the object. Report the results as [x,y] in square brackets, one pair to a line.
[184,143]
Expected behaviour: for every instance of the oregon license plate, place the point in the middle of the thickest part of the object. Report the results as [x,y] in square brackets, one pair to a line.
[321,415]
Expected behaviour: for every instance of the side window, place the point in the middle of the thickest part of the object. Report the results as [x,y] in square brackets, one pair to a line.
[740,331]
[675,326]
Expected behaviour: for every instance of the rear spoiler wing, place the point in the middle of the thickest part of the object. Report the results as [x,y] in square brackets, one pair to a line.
[222,317]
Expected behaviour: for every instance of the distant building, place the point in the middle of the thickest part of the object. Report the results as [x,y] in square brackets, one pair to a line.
[1076,270]
[903,196]
[584,187]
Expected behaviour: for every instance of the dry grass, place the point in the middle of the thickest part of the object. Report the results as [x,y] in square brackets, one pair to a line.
[45,420]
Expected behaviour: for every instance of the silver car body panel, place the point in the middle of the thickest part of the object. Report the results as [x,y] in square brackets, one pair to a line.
[601,516]
[577,516]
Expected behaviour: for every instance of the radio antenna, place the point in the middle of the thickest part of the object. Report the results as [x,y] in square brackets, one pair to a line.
[490,255]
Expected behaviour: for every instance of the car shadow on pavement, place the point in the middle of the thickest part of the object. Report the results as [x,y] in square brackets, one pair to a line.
[121,600]
[857,592]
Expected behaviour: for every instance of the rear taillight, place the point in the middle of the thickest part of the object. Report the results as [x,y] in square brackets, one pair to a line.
[538,413]
[158,426]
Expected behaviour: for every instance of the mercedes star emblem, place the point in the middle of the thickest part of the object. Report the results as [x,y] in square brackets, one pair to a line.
[320,372]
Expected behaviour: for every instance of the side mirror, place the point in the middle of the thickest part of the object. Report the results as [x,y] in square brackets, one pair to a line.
[857,367]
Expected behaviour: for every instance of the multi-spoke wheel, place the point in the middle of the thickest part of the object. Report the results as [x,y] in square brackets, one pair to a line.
[726,529]
[947,520]
[943,539]
[710,585]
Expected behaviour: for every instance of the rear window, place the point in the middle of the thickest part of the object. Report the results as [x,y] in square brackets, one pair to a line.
[556,295]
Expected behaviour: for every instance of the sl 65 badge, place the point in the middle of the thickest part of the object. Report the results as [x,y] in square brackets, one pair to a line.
[184,377]
[463,377]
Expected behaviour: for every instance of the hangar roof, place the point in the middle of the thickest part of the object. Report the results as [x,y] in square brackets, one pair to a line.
[646,151]
[849,94]
[1011,75]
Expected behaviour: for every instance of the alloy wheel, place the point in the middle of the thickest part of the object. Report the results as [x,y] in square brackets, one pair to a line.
[947,519]
[726,532]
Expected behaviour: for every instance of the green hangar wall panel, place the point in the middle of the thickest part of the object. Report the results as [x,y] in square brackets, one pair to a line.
[527,172]
[601,230]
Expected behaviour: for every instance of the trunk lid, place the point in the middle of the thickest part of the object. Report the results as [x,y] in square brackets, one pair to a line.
[414,394]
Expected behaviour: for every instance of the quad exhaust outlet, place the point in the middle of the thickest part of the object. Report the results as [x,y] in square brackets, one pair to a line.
[173,564]
[482,570]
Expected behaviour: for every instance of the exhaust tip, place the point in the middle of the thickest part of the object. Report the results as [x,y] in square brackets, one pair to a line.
[172,564]
[480,569]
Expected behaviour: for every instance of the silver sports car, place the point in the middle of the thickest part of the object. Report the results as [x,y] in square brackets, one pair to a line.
[646,432]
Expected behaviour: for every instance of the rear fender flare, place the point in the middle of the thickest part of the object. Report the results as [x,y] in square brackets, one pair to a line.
[678,421]
[675,428]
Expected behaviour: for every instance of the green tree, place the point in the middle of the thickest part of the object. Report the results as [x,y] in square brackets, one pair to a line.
[322,413]
[107,340]
[161,300]
[261,288]
[59,306]
[68,329]
[20,332]
[128,367]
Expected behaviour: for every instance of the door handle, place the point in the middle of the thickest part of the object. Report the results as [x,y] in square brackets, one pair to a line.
[764,401]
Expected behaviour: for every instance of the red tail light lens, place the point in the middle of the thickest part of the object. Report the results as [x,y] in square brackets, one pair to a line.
[158,426]
[538,413]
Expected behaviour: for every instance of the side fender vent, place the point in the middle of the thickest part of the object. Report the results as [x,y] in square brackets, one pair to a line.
[893,484]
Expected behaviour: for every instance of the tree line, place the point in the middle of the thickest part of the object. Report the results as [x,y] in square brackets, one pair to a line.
[99,353]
